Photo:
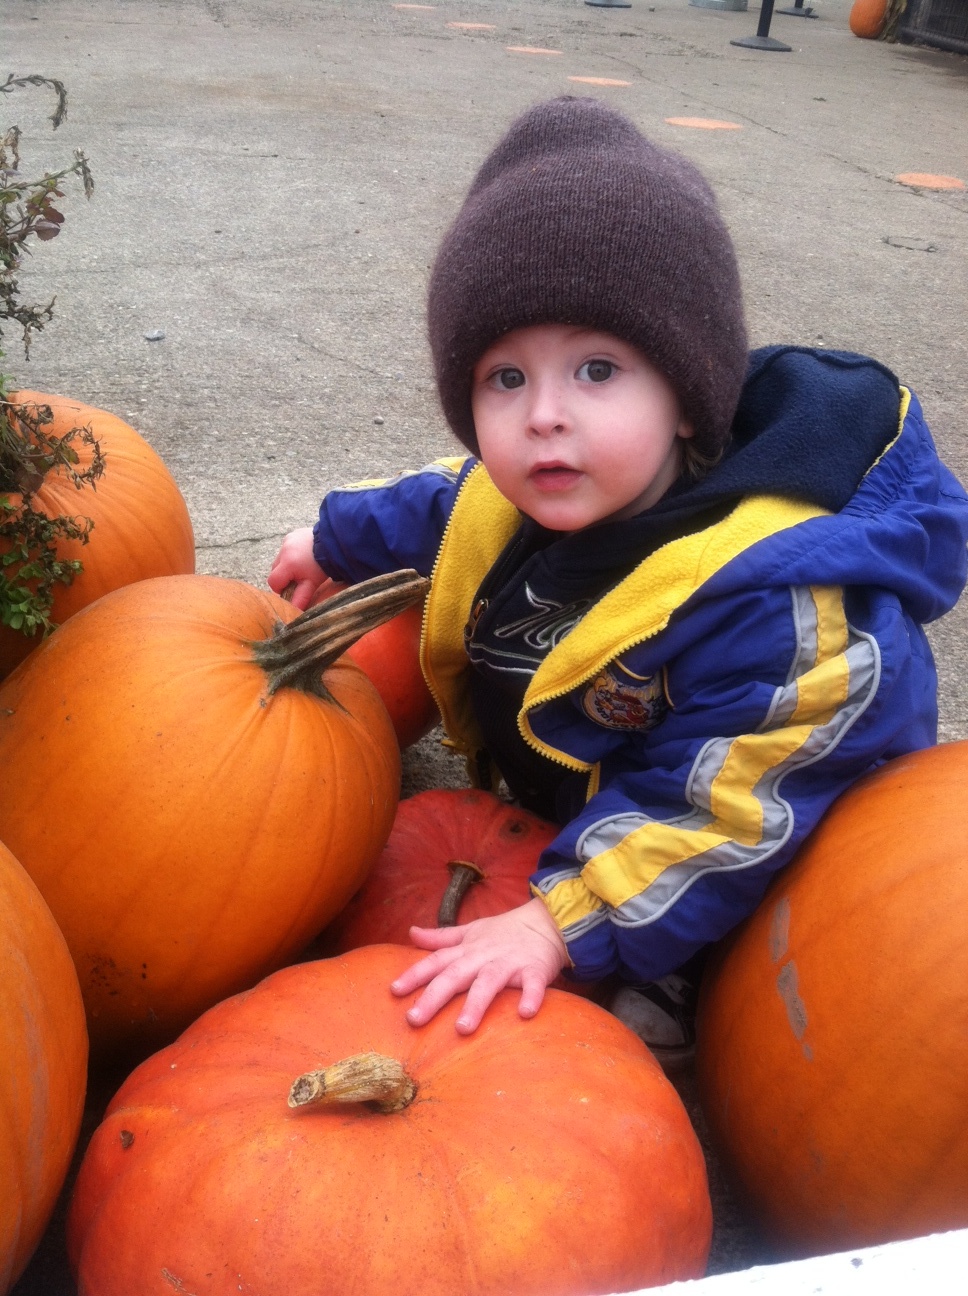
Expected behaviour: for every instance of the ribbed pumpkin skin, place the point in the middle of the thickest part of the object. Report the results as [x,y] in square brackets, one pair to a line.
[867,18]
[141,523]
[544,1158]
[390,655]
[833,1035]
[43,1043]
[410,877]
[212,829]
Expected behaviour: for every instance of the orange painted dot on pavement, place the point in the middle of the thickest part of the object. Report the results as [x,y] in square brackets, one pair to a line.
[529,49]
[920,180]
[598,81]
[703,123]
[473,26]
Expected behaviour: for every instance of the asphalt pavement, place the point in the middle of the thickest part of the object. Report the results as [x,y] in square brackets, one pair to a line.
[273,176]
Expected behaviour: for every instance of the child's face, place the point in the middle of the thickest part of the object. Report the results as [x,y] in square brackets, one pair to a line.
[575,426]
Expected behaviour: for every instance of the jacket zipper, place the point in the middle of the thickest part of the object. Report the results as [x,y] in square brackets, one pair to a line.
[423,624]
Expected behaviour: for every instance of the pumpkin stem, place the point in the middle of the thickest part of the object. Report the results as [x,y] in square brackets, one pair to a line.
[463,875]
[297,654]
[365,1078]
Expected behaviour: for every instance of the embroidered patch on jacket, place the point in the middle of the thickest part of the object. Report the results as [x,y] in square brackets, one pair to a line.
[616,699]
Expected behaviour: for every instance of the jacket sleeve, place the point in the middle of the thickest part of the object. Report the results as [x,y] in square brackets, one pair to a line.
[382,526]
[772,707]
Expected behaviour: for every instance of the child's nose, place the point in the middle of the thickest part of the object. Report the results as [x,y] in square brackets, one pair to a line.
[548,411]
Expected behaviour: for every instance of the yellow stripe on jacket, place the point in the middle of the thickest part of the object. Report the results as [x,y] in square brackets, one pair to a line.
[638,866]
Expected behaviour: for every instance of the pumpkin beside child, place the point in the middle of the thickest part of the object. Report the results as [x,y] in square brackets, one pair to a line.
[230,786]
[833,1035]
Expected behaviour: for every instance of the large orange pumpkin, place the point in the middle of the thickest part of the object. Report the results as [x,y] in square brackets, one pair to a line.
[548,1157]
[193,797]
[833,1035]
[43,1043]
[141,523]
[390,655]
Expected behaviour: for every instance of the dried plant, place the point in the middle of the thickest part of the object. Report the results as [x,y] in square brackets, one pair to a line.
[29,565]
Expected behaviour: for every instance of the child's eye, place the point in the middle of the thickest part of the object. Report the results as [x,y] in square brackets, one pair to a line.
[596,371]
[508,379]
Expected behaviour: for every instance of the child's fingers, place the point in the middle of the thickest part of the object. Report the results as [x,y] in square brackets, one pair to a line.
[420,973]
[302,595]
[433,938]
[440,990]
[483,990]
[533,987]
[295,562]
[278,577]
[489,983]
[482,957]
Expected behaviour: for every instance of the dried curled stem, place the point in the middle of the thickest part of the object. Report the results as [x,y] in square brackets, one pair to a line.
[297,654]
[463,875]
[369,1078]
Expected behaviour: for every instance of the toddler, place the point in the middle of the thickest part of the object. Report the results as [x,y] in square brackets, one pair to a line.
[678,587]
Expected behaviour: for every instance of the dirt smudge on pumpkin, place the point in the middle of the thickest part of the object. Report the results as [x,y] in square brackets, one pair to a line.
[780,929]
[104,974]
[787,985]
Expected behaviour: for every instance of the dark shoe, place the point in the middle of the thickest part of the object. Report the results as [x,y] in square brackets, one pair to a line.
[663,1015]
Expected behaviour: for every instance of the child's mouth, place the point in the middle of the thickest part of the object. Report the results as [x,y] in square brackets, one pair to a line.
[553,477]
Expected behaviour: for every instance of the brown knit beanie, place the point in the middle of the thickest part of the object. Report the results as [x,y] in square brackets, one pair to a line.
[577,218]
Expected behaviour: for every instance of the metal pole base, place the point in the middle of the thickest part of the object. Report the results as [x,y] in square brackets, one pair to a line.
[761,43]
[610,4]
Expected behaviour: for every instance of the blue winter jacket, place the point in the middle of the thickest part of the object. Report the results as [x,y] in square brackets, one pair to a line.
[719,697]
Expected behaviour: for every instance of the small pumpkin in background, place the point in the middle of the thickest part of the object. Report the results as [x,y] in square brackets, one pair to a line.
[232,780]
[548,1157]
[453,855]
[43,1042]
[141,523]
[833,1033]
[868,18]
[390,655]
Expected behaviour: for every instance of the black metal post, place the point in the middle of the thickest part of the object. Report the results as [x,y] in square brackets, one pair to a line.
[762,40]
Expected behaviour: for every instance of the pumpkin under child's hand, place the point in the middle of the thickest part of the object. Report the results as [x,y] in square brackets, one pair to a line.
[521,948]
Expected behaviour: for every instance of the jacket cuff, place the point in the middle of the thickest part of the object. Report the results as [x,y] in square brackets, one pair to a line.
[583,920]
[323,545]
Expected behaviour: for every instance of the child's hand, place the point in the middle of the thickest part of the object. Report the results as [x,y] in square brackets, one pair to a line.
[295,562]
[521,948]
